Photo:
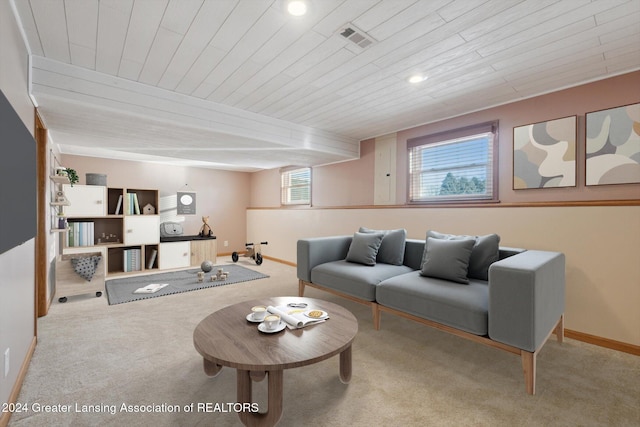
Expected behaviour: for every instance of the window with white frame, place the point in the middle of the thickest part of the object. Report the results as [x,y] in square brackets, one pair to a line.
[295,186]
[454,166]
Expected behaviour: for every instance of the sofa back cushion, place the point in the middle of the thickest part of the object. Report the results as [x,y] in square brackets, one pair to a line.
[364,248]
[485,252]
[506,252]
[392,247]
[447,259]
[413,253]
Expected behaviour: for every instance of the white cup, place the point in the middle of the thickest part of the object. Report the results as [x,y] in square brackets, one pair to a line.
[258,312]
[272,321]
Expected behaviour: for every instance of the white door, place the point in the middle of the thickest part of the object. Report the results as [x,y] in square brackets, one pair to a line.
[174,255]
[85,200]
[141,229]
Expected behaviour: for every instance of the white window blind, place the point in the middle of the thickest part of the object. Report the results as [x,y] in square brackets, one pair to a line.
[296,186]
[454,166]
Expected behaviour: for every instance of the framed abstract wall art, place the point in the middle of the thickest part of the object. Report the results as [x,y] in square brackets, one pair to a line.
[544,154]
[613,146]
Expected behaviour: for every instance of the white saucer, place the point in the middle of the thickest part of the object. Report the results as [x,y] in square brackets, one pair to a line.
[252,320]
[263,328]
[324,314]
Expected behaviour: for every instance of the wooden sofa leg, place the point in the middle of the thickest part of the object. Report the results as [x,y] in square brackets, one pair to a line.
[376,316]
[559,330]
[300,288]
[529,369]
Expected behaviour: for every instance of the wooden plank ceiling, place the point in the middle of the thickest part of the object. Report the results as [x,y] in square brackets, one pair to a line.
[242,85]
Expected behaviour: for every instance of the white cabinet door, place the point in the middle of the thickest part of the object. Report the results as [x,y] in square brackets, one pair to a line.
[85,200]
[141,229]
[174,255]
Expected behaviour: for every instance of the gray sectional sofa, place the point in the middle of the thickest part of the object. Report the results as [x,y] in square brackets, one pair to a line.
[507,298]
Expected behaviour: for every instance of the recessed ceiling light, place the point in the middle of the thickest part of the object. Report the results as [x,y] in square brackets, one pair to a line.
[297,7]
[417,78]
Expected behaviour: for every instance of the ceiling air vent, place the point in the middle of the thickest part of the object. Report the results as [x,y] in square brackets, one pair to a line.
[356,36]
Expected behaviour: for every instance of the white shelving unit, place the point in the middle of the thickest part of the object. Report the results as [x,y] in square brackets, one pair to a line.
[131,240]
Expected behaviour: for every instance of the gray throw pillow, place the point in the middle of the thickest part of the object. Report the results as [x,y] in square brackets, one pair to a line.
[392,247]
[364,248]
[447,259]
[485,252]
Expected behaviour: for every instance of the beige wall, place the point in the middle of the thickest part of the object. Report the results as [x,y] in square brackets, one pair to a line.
[222,195]
[265,188]
[347,183]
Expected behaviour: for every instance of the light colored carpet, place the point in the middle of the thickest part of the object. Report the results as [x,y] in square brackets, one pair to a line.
[406,374]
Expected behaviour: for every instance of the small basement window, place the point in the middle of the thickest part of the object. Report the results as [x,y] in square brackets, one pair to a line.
[295,186]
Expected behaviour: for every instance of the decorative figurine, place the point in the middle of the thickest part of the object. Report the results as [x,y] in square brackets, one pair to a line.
[148,209]
[205,230]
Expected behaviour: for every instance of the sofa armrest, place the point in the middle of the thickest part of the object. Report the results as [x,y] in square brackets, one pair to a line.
[526,298]
[318,250]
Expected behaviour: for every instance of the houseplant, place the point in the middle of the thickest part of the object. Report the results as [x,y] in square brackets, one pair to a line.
[72,175]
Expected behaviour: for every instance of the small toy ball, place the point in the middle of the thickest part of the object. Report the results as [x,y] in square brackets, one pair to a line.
[206,266]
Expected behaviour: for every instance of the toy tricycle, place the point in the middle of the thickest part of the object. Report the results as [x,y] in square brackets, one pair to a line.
[252,251]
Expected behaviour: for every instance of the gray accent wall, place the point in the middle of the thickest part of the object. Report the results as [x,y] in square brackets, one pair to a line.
[19,193]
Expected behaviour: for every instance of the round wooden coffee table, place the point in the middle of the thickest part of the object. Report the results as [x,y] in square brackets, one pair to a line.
[226,338]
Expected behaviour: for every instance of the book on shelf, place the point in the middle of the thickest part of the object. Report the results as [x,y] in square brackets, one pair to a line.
[134,205]
[131,260]
[81,233]
[70,235]
[152,258]
[119,205]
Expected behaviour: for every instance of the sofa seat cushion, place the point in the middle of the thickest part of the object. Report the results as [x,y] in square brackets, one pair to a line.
[355,279]
[462,307]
